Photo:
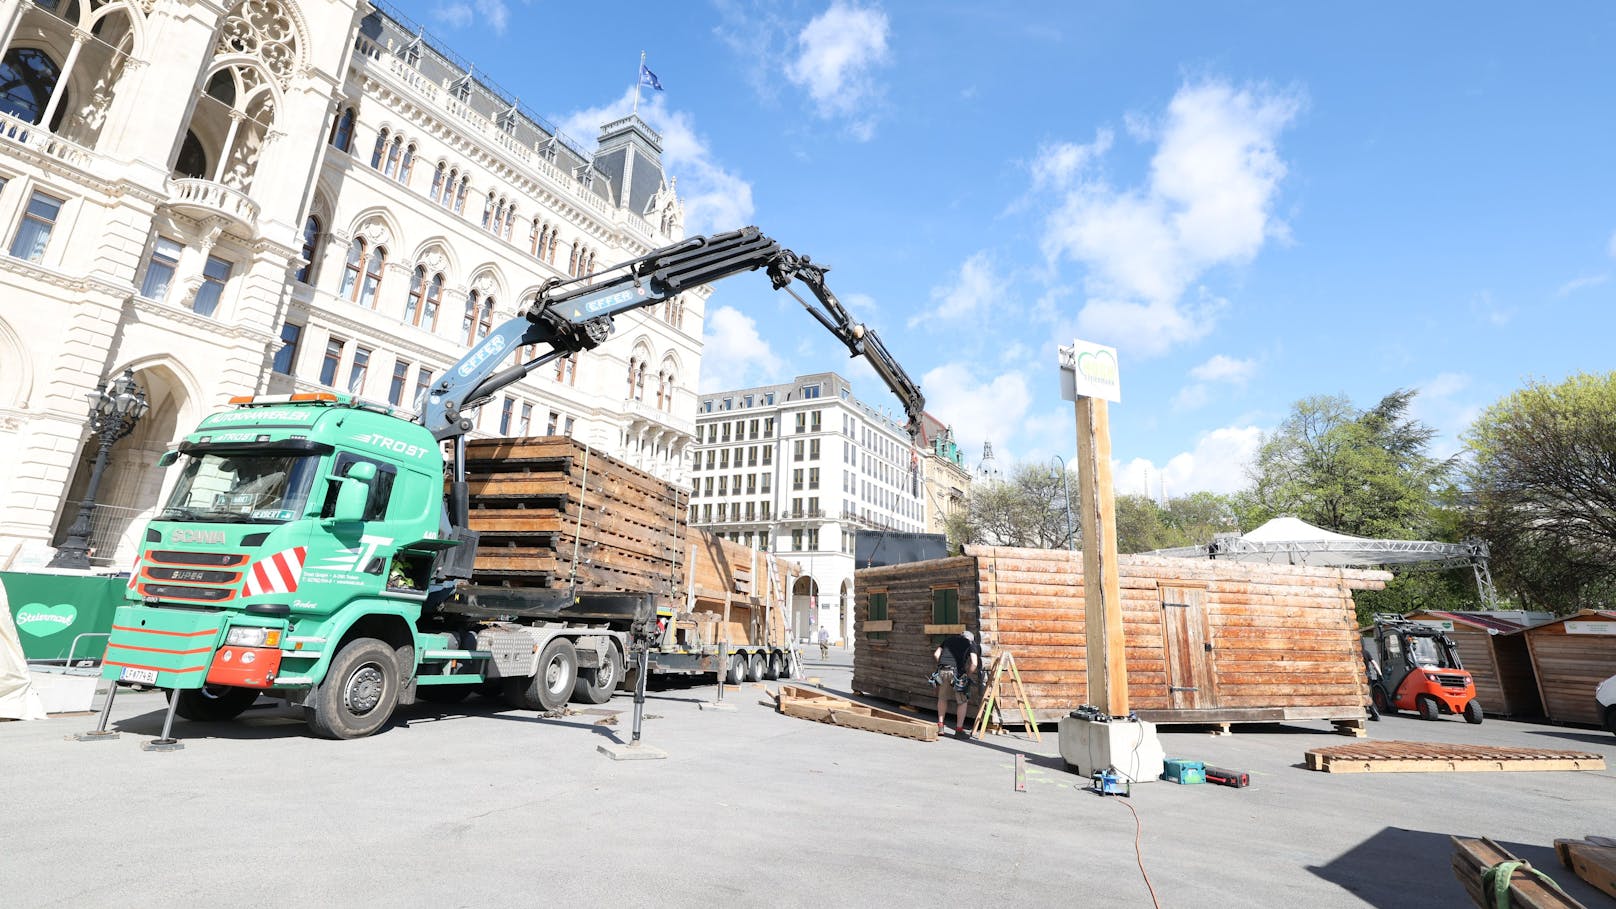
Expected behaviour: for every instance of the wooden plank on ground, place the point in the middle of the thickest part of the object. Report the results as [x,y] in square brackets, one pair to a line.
[1414,757]
[1473,857]
[812,704]
[1592,859]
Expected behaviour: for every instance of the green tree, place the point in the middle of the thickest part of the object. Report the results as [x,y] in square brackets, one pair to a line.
[1363,472]
[1543,489]
[1028,509]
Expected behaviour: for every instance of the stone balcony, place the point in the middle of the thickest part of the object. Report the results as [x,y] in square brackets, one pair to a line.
[203,199]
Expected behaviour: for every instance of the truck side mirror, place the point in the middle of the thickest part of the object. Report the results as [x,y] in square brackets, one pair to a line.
[354,492]
[167,458]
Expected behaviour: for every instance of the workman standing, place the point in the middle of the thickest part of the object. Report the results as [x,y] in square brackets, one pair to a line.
[957,665]
[824,643]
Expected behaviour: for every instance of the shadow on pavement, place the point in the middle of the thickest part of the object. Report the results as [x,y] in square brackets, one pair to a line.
[1592,738]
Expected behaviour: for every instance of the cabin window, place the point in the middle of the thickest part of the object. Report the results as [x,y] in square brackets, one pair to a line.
[878,613]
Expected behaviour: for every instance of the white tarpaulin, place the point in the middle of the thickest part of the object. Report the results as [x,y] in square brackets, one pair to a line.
[1296,542]
[18,700]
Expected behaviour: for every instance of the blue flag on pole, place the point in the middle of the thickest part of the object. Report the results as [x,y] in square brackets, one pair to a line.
[649,79]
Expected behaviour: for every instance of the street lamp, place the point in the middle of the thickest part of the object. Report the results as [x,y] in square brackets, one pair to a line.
[1066,493]
[114,411]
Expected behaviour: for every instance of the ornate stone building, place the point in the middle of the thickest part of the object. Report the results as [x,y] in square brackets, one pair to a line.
[272,196]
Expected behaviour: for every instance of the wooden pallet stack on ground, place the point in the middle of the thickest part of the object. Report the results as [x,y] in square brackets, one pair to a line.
[1416,757]
[1527,888]
[813,704]
[1593,859]
[550,512]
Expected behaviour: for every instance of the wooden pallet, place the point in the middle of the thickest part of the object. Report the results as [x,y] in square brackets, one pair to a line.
[1592,859]
[1473,857]
[812,704]
[1413,757]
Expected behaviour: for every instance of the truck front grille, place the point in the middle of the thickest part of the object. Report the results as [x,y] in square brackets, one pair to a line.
[210,559]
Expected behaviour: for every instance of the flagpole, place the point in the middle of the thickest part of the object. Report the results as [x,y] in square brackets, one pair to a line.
[638,78]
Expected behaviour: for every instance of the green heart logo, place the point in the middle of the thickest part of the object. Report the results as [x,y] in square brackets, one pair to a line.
[41,621]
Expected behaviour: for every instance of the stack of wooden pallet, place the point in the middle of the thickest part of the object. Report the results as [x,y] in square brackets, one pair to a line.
[551,512]
[1477,863]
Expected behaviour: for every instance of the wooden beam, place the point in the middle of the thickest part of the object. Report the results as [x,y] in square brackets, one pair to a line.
[1107,659]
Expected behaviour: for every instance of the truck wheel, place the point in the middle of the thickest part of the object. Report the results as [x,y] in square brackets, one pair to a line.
[1428,707]
[595,686]
[776,666]
[756,666]
[1382,702]
[550,689]
[737,669]
[359,692]
[213,703]
[1472,712]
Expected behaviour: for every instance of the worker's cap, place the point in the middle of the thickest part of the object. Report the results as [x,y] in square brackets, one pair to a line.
[967,636]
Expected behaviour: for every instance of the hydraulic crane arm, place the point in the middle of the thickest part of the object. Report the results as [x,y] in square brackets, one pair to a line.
[568,317]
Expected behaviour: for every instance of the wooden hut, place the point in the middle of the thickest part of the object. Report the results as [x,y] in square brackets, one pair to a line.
[1207,641]
[1571,656]
[1493,650]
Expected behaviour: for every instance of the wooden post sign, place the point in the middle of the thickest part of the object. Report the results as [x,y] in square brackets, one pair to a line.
[1089,378]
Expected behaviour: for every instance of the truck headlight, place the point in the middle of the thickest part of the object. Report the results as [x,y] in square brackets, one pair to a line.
[248,636]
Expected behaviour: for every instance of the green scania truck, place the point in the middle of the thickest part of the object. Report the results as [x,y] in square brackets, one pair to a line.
[309,550]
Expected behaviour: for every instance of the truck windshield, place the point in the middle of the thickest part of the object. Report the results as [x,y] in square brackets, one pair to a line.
[242,487]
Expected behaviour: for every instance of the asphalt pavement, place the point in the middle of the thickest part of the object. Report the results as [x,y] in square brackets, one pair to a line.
[482,805]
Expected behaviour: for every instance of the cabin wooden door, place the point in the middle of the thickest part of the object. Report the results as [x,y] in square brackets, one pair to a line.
[1190,684]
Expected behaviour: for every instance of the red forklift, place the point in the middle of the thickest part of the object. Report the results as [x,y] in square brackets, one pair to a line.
[1416,667]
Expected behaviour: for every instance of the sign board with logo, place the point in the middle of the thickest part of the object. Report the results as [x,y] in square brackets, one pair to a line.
[51,610]
[1590,628]
[1090,371]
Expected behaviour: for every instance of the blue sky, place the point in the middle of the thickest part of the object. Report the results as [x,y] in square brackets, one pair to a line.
[1253,202]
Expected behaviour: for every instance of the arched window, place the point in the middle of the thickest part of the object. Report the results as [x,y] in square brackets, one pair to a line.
[434,299]
[499,217]
[408,166]
[510,220]
[633,366]
[479,317]
[381,149]
[667,401]
[485,319]
[460,197]
[639,384]
[28,76]
[394,151]
[311,245]
[535,237]
[488,210]
[342,130]
[193,159]
[554,238]
[373,277]
[572,260]
[353,269]
[437,182]
[416,296]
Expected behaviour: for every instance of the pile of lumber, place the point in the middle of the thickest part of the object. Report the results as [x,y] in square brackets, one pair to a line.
[813,704]
[1410,757]
[1526,889]
[551,513]
[1593,859]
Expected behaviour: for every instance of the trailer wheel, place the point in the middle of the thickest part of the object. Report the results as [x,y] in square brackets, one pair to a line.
[595,686]
[776,666]
[1428,708]
[359,692]
[1382,701]
[213,703]
[756,666]
[1472,712]
[550,689]
[737,669]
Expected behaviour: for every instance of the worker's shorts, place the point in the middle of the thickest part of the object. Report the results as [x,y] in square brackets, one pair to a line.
[945,684]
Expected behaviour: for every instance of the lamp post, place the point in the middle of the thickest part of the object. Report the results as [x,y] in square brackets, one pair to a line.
[114,411]
[1066,492]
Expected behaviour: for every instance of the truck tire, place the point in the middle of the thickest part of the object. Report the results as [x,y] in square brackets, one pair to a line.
[552,686]
[1428,707]
[595,686]
[776,666]
[737,669]
[1472,712]
[756,667]
[359,692]
[213,703]
[1382,701]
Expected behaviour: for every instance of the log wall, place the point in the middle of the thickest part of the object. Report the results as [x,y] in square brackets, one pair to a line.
[1570,666]
[1283,643]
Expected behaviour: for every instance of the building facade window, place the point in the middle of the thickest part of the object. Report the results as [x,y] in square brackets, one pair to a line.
[342,130]
[395,389]
[286,356]
[165,257]
[357,371]
[311,245]
[214,275]
[34,233]
[333,359]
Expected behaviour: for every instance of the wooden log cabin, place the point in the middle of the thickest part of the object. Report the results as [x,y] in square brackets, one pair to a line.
[1207,641]
[1495,653]
[1572,656]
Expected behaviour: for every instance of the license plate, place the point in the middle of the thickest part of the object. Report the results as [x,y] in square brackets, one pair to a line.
[143,676]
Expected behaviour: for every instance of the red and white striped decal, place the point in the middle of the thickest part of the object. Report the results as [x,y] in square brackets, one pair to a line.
[277,574]
[134,572]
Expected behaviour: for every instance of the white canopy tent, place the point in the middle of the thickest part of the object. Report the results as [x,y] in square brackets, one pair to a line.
[1296,542]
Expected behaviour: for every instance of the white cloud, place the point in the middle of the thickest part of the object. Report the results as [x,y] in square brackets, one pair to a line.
[1582,283]
[990,410]
[1208,201]
[975,288]
[1217,464]
[837,52]
[1225,369]
[1447,404]
[1192,397]
[715,199]
[734,355]
[491,13]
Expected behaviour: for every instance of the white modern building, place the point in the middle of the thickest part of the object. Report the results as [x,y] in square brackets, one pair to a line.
[270,196]
[797,469]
